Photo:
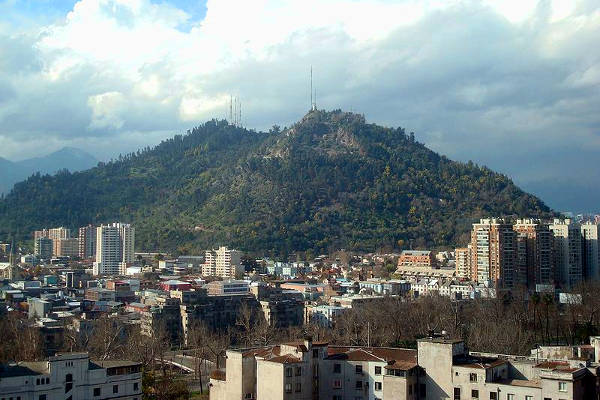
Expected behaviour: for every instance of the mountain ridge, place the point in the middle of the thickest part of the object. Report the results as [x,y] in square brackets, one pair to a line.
[329,181]
[70,158]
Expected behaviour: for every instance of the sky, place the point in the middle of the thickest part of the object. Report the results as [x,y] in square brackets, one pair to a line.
[513,85]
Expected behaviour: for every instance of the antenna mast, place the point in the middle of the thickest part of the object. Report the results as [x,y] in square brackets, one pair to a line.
[230,109]
[311,90]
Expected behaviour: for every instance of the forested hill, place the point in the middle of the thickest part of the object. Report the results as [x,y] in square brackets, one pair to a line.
[330,181]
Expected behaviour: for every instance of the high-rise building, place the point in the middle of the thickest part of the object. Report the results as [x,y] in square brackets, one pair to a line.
[42,248]
[114,248]
[40,233]
[87,242]
[568,265]
[222,262]
[494,253]
[534,252]
[67,247]
[591,251]
[463,262]
[56,234]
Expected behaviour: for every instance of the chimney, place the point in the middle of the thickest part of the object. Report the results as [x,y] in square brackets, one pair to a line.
[308,342]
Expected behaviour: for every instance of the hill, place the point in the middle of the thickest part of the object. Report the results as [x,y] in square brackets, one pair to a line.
[330,181]
[68,158]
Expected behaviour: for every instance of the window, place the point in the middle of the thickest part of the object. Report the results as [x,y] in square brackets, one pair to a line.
[315,353]
[298,371]
[473,377]
[115,388]
[42,397]
[493,396]
[248,396]
[337,384]
[358,369]
[456,393]
[336,398]
[288,388]
[474,394]
[377,370]
[510,396]
[96,392]
[528,397]
[298,387]
[136,386]
[423,390]
[562,386]
[337,368]
[377,385]
[358,385]
[68,387]
[37,381]
[288,372]
[69,378]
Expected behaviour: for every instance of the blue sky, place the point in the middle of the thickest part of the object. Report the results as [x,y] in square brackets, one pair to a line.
[511,84]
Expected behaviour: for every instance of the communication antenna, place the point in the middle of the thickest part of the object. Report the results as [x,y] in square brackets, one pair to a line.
[230,109]
[311,90]
[240,111]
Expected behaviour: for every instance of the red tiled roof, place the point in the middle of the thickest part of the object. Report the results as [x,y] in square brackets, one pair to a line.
[401,365]
[286,359]
[218,375]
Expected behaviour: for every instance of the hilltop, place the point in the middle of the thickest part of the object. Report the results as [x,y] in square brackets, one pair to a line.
[330,181]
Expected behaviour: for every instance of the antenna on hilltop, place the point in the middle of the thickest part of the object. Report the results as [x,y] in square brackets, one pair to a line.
[313,99]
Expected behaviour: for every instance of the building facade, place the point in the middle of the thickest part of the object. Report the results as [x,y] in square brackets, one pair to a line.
[71,376]
[114,248]
[536,262]
[494,254]
[568,263]
[590,251]
[222,262]
[87,242]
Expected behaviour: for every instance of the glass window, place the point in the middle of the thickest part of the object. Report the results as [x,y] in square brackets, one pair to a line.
[337,368]
[288,372]
[115,388]
[298,371]
[136,386]
[358,384]
[358,369]
[493,396]
[288,388]
[298,387]
[562,386]
[377,370]
[475,394]
[473,377]
[377,385]
[456,393]
[96,391]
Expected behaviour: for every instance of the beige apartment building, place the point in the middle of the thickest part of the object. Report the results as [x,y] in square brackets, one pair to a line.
[494,254]
[536,261]
[68,247]
[439,369]
[567,252]
[462,258]
[223,262]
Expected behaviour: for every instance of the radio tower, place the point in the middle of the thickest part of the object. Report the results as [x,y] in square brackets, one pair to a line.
[313,95]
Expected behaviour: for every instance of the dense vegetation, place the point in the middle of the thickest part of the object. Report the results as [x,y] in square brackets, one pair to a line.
[330,181]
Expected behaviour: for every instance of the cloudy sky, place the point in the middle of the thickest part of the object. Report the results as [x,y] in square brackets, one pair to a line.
[514,85]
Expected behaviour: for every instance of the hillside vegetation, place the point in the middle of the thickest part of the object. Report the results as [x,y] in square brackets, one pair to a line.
[330,181]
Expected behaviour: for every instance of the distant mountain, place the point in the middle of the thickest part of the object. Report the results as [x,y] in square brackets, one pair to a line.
[330,181]
[69,158]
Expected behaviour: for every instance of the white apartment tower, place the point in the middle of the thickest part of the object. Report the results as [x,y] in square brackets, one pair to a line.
[114,248]
[591,251]
[222,262]
[568,265]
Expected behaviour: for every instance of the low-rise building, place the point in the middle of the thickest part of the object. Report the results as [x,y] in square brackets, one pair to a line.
[71,376]
[416,258]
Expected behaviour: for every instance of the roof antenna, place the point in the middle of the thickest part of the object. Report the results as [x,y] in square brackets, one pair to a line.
[311,91]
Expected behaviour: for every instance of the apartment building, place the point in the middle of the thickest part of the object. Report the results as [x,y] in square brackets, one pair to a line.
[462,258]
[56,234]
[536,258]
[416,258]
[164,316]
[42,248]
[87,242]
[67,247]
[567,247]
[228,287]
[114,248]
[439,369]
[282,312]
[223,262]
[590,250]
[494,254]
[71,376]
